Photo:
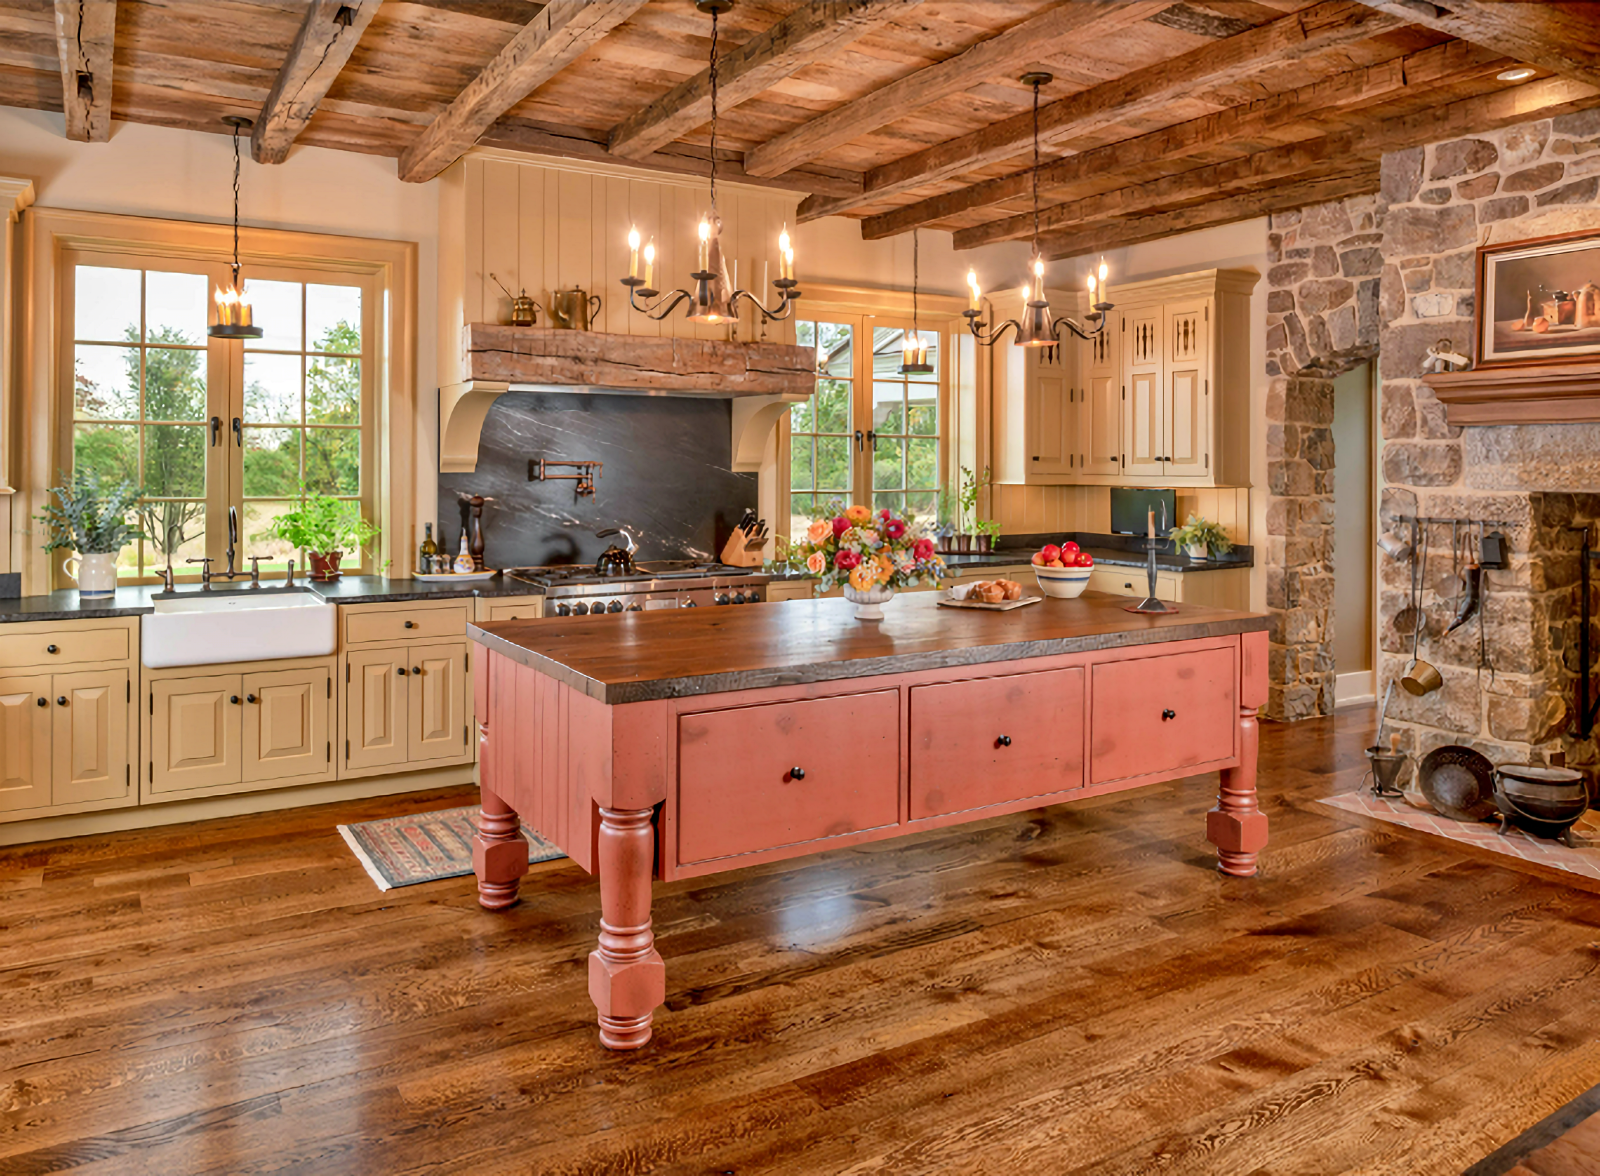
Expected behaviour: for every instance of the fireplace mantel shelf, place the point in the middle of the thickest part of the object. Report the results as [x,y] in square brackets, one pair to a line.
[1553,393]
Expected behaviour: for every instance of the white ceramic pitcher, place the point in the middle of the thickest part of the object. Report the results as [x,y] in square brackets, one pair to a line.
[95,573]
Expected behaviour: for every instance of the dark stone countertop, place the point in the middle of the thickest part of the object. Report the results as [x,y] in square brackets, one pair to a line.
[677,653]
[135,600]
[1112,551]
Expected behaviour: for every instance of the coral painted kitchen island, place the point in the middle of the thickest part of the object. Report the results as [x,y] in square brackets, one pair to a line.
[677,743]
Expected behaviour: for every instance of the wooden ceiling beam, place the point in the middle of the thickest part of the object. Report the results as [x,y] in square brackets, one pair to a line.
[811,32]
[327,37]
[1084,173]
[546,45]
[1099,236]
[1562,38]
[1141,93]
[86,33]
[1017,47]
[1477,115]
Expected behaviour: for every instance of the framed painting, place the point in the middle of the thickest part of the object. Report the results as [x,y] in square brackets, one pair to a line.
[1539,301]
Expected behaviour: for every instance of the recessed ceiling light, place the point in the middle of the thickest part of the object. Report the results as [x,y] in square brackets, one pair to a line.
[1521,74]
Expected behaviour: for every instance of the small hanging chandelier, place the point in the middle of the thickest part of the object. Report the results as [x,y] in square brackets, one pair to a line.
[913,349]
[234,320]
[713,298]
[1038,327]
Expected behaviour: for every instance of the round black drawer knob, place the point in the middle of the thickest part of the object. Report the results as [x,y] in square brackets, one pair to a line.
[797,773]
[1003,741]
[1168,714]
[61,700]
[52,649]
[44,702]
[417,670]
[411,624]
[233,698]
[401,670]
[249,697]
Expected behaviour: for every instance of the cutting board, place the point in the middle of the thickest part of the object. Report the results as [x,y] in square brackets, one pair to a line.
[999,606]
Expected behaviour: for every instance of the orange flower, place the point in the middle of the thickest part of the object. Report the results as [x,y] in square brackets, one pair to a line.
[815,563]
[819,530]
[885,569]
[863,577]
[858,514]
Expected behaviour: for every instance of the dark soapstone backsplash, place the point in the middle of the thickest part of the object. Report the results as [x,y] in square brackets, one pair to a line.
[666,478]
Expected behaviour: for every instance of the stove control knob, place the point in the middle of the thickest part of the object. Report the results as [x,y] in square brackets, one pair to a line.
[614,606]
[691,604]
[722,598]
[754,598]
[636,607]
[563,610]
[738,598]
[580,609]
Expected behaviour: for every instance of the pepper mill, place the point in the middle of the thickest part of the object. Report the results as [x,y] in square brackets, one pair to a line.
[475,543]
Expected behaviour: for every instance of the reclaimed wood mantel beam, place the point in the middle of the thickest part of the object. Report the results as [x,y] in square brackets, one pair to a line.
[1013,49]
[1087,172]
[811,32]
[551,41]
[327,37]
[1140,93]
[1562,38]
[85,36]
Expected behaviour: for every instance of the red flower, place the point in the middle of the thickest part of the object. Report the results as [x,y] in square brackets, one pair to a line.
[840,525]
[923,549]
[894,528]
[884,513]
[846,560]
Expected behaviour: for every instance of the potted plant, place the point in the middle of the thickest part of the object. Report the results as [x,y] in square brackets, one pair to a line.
[90,517]
[869,554]
[325,528]
[970,486]
[1200,538]
[949,513]
[988,532]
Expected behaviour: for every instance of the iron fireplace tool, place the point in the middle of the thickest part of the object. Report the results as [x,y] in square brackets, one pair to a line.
[1468,604]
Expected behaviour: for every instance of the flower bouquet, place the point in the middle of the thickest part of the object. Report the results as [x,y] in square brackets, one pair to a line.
[869,554]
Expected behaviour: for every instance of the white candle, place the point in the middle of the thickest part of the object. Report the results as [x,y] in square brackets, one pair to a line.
[705,244]
[633,252]
[649,262]
[1152,522]
[972,285]
[785,253]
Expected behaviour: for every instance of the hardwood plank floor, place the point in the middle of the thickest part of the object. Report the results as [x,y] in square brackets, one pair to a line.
[1070,990]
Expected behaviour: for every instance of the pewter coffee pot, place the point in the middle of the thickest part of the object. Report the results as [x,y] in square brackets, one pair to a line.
[573,309]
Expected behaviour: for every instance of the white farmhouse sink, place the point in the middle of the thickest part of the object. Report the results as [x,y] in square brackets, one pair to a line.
[206,628]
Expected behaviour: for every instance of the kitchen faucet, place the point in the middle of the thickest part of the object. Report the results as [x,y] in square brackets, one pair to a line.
[207,575]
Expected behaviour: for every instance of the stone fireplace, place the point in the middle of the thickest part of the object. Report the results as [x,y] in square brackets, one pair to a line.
[1391,275]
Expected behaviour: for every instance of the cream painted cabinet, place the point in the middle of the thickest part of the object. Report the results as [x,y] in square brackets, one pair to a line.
[1035,404]
[375,709]
[509,608]
[1099,405]
[89,739]
[194,733]
[286,724]
[1222,587]
[436,711]
[406,705]
[25,737]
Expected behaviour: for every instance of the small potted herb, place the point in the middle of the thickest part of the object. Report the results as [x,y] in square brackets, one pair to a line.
[90,517]
[324,528]
[971,486]
[988,532]
[1201,538]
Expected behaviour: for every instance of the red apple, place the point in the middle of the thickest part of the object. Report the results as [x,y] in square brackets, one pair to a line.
[1054,563]
[1050,551]
[1085,560]
[1039,559]
[1069,548]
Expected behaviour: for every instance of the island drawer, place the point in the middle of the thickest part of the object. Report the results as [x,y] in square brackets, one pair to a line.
[364,626]
[1163,714]
[43,647]
[992,740]
[738,788]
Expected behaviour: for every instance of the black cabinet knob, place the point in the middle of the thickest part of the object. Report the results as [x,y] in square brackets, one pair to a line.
[797,773]
[417,670]
[61,700]
[249,697]
[234,698]
[1003,741]
[401,670]
[411,624]
[44,702]
[52,649]
[1169,713]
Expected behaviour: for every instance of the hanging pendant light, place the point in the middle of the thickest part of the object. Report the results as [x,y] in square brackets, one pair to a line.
[712,298]
[1036,326]
[234,319]
[913,350]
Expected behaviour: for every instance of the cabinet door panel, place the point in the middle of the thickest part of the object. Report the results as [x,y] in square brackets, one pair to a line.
[286,724]
[436,713]
[1144,427]
[25,742]
[90,760]
[1163,714]
[1052,446]
[375,708]
[1100,425]
[1188,439]
[194,733]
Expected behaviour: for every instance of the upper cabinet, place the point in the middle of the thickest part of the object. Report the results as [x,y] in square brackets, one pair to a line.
[1162,396]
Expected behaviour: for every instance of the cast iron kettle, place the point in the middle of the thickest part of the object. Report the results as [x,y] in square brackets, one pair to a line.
[614,560]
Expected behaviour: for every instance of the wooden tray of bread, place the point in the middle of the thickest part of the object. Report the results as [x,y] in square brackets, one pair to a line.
[994,595]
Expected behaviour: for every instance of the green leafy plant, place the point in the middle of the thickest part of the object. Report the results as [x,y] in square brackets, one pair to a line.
[989,527]
[323,525]
[90,516]
[970,485]
[1198,531]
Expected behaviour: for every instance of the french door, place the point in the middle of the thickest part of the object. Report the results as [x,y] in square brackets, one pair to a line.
[201,424]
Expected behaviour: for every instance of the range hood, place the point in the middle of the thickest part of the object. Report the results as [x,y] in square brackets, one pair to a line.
[763,379]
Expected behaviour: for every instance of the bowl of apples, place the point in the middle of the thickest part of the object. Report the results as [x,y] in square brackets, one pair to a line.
[1062,572]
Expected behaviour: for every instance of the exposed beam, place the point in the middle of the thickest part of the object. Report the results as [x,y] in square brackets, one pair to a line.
[1115,234]
[811,32]
[327,37]
[1088,172]
[1018,46]
[546,45]
[1477,115]
[1562,38]
[86,33]
[1140,93]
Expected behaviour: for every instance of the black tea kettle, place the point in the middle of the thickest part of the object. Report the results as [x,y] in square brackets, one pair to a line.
[614,560]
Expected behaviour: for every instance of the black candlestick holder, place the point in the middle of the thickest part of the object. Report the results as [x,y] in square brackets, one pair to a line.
[1151,603]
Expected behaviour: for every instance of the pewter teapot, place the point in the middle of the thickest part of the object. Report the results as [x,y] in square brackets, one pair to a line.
[573,309]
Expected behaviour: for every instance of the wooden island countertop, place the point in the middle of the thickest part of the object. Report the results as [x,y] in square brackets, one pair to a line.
[678,743]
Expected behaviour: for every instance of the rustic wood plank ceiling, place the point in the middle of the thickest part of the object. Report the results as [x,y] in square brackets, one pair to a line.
[1163,115]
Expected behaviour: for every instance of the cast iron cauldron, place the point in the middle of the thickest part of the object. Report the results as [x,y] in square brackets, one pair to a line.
[1543,800]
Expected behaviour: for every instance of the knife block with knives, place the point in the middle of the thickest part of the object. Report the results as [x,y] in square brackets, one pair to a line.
[743,548]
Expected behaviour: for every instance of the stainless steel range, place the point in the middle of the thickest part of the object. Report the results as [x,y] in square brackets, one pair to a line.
[576,590]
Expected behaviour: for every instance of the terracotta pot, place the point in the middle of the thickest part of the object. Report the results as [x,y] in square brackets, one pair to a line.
[324,564]
[963,543]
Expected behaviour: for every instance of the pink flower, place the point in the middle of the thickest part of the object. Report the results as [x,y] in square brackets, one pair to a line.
[923,549]
[846,560]
[841,525]
[819,530]
[815,563]
[884,513]
[894,528]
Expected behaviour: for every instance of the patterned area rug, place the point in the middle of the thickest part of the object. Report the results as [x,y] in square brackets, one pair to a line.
[1583,860]
[424,847]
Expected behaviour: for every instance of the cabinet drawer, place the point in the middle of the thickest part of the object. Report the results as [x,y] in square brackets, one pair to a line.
[1132,733]
[527,608]
[1135,582]
[361,627]
[994,740]
[738,793]
[44,647]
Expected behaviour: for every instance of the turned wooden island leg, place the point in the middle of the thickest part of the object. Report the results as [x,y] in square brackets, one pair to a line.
[627,979]
[1237,826]
[499,854]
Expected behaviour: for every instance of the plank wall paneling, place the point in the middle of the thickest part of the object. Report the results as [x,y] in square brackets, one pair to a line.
[1041,509]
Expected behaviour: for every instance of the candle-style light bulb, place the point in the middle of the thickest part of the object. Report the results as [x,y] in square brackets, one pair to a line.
[1038,279]
[1026,292]
[1091,285]
[785,252]
[972,285]
[705,244]
[649,262]
[788,263]
[633,252]
[1105,270]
